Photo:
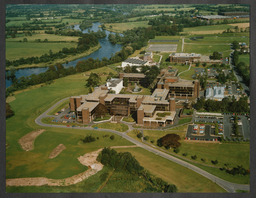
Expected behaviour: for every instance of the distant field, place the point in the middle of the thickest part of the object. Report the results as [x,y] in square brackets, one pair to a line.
[121,27]
[17,23]
[163,8]
[16,50]
[49,37]
[209,29]
[185,179]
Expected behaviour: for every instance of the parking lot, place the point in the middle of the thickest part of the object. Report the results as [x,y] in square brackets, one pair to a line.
[162,48]
[65,117]
[243,128]
[204,132]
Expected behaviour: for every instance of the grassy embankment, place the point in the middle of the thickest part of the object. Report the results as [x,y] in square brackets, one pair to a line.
[113,126]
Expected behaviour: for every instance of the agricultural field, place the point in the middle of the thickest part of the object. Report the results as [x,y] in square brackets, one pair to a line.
[163,8]
[121,27]
[16,50]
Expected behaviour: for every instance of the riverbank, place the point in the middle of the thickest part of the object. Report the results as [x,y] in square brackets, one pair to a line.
[61,61]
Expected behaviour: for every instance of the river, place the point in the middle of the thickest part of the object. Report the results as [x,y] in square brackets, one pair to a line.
[107,50]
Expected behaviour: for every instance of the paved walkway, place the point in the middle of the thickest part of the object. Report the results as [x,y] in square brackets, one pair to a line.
[228,186]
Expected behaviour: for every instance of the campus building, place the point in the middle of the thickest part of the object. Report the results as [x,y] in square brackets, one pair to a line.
[134,62]
[152,110]
[215,93]
[184,57]
[179,88]
[132,77]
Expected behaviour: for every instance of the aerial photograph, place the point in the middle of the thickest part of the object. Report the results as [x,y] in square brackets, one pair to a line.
[122,98]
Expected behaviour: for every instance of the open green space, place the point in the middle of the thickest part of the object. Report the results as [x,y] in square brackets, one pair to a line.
[185,179]
[114,126]
[17,22]
[185,120]
[128,119]
[121,27]
[208,28]
[245,58]
[16,50]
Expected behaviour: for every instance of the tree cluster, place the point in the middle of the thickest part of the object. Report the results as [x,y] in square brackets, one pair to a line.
[8,110]
[169,141]
[226,105]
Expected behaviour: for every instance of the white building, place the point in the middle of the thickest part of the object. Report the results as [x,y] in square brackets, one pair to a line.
[215,93]
[115,84]
[134,62]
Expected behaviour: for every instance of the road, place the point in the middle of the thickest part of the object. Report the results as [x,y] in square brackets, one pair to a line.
[228,186]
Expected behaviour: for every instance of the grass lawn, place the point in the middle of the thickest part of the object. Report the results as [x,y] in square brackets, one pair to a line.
[18,22]
[16,50]
[114,126]
[245,58]
[184,120]
[188,74]
[185,179]
[30,104]
[156,58]
[128,119]
[121,27]
[207,49]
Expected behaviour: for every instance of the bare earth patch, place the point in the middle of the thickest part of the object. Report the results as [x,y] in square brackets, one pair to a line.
[57,151]
[241,25]
[27,141]
[89,160]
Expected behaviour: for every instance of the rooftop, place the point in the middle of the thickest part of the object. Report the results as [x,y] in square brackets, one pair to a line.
[95,94]
[113,82]
[148,108]
[185,55]
[89,105]
[163,119]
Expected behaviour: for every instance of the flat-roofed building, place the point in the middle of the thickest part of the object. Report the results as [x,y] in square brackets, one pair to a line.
[132,77]
[126,104]
[215,93]
[134,62]
[184,57]
[180,88]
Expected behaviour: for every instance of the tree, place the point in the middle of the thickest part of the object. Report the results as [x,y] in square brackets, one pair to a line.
[169,140]
[235,45]
[9,112]
[93,81]
[25,40]
[216,56]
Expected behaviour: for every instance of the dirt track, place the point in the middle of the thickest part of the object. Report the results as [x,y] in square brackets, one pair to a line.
[27,141]
[89,160]
[57,151]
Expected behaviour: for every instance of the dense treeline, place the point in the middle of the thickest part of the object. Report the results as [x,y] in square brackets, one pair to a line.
[241,67]
[226,105]
[126,162]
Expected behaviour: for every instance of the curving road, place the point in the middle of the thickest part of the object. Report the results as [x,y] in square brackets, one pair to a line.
[228,186]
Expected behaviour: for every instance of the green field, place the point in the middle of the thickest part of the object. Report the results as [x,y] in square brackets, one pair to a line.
[185,179]
[245,58]
[49,37]
[16,50]
[121,27]
[64,104]
[114,126]
[208,28]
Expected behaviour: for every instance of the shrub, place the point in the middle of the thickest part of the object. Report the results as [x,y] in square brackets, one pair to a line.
[146,138]
[89,139]
[139,135]
[184,154]
[152,141]
[194,157]
[112,137]
[214,162]
[176,150]
[202,159]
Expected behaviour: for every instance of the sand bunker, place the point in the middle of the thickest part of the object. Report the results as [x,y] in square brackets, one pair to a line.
[27,141]
[57,151]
